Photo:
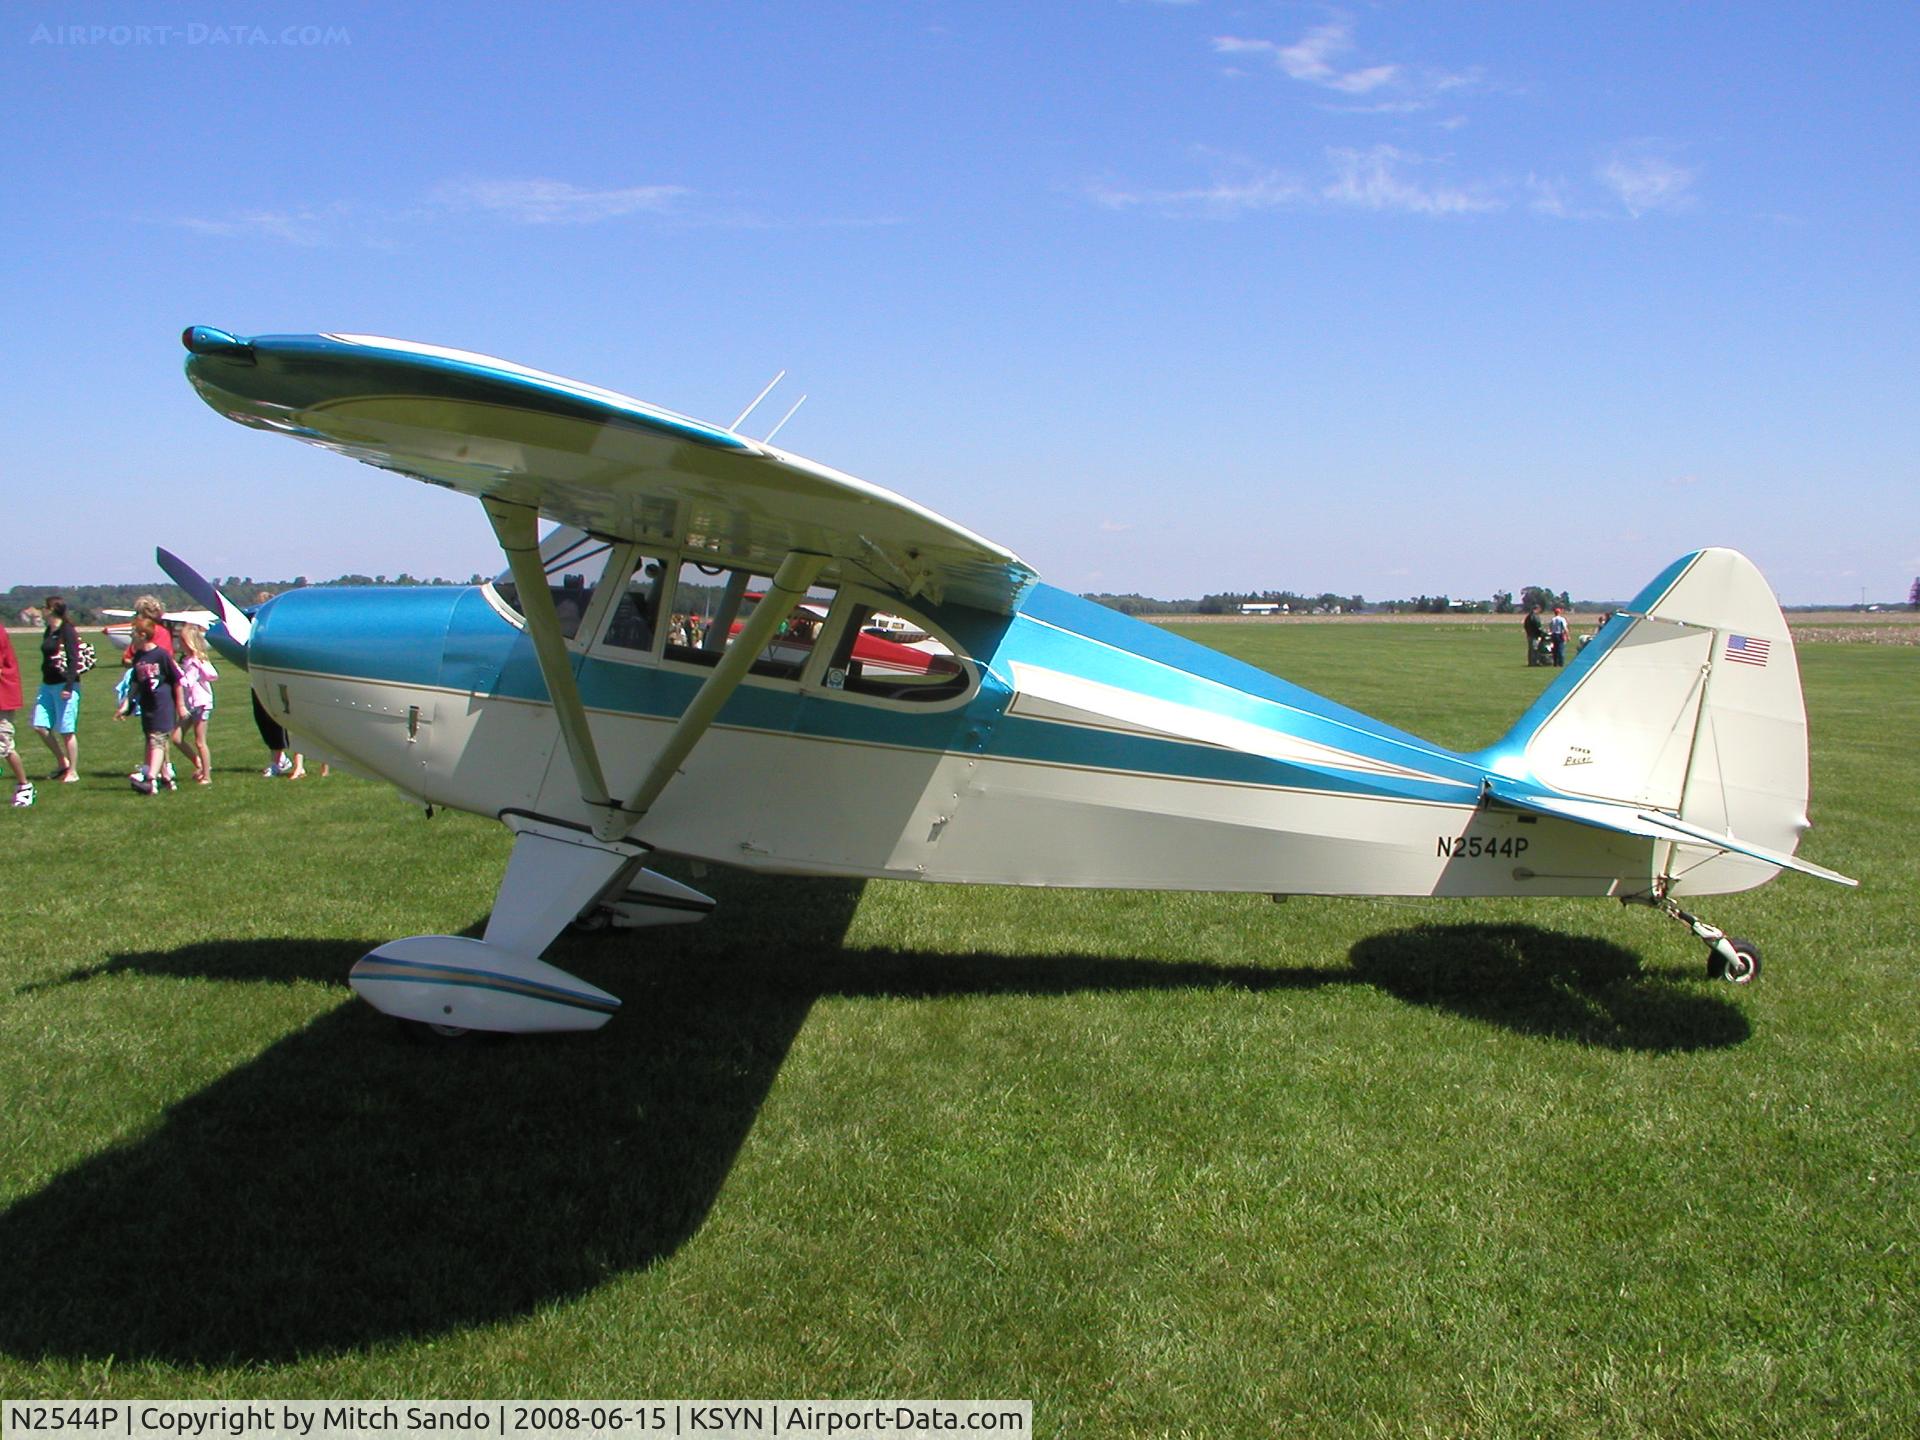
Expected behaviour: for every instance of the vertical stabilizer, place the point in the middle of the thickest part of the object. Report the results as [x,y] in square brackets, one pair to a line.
[1688,702]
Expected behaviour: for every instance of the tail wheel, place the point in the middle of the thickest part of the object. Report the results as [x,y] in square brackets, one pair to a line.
[1744,968]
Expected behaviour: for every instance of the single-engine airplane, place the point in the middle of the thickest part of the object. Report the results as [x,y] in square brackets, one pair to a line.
[120,633]
[1060,743]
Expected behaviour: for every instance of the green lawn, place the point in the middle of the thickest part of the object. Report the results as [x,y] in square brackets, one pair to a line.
[1162,1164]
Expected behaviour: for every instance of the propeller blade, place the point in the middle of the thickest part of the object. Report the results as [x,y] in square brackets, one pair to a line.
[234,625]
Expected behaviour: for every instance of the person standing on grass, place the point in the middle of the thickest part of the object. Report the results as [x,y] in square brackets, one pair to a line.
[196,690]
[10,701]
[272,733]
[274,736]
[1557,637]
[156,691]
[56,709]
[1536,636]
[149,606]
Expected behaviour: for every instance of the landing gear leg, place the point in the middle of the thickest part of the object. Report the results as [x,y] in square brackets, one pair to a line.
[1728,957]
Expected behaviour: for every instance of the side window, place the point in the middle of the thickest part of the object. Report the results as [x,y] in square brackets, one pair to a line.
[706,606]
[573,561]
[712,602]
[636,614]
[893,658]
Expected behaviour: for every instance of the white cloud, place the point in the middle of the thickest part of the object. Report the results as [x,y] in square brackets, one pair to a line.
[1644,180]
[305,226]
[1310,58]
[1378,179]
[555,202]
[1381,178]
[1316,59]
[1241,190]
[1388,179]
[522,202]
[1550,195]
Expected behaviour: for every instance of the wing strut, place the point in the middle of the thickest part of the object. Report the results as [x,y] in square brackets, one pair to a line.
[517,529]
[789,588]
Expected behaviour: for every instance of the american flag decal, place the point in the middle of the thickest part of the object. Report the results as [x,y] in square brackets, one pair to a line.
[1748,649]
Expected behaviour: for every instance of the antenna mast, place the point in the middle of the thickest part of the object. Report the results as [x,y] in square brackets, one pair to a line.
[783,420]
[756,400]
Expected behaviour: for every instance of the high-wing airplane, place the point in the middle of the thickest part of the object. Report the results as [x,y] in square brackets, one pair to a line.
[1059,743]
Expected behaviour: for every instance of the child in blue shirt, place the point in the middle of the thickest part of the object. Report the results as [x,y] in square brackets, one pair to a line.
[154,691]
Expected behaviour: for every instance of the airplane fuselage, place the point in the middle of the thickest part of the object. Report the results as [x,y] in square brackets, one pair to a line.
[1088,749]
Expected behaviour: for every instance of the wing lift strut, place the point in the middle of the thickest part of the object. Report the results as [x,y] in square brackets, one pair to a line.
[452,984]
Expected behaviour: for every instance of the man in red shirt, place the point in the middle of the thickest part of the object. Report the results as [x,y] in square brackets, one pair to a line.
[11,699]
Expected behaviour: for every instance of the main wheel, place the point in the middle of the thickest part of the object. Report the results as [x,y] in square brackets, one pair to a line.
[425,1032]
[1744,968]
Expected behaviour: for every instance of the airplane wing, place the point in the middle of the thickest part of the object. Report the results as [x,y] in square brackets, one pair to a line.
[1652,825]
[591,458]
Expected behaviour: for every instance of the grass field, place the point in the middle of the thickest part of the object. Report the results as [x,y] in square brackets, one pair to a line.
[1163,1164]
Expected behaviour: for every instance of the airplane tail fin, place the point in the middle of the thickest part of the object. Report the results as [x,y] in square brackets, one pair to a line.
[1685,707]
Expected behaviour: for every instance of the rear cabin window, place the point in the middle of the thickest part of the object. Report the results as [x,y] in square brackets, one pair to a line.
[892,658]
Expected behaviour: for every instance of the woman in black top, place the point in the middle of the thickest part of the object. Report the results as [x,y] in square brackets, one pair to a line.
[56,709]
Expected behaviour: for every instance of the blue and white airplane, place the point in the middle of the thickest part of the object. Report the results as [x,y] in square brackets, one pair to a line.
[675,669]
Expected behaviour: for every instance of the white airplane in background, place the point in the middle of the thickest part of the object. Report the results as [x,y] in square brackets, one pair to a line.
[120,633]
[1060,743]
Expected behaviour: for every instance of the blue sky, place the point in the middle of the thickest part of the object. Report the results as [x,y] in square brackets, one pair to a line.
[1394,298]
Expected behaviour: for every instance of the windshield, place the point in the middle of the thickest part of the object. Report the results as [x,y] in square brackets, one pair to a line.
[573,561]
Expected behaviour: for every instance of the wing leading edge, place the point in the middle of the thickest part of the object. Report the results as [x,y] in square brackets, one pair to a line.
[595,459]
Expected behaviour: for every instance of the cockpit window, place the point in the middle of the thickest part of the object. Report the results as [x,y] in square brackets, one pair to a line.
[636,614]
[711,603]
[573,561]
[690,612]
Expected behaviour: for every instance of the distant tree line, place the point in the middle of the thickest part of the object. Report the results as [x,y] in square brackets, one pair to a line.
[1326,603]
[1291,600]
[1144,604]
[1435,605]
[1229,603]
[88,601]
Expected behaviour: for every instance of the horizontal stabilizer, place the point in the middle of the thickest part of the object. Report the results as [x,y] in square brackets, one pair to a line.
[1651,825]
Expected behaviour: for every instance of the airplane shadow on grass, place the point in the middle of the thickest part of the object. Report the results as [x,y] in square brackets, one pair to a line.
[347,1188]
